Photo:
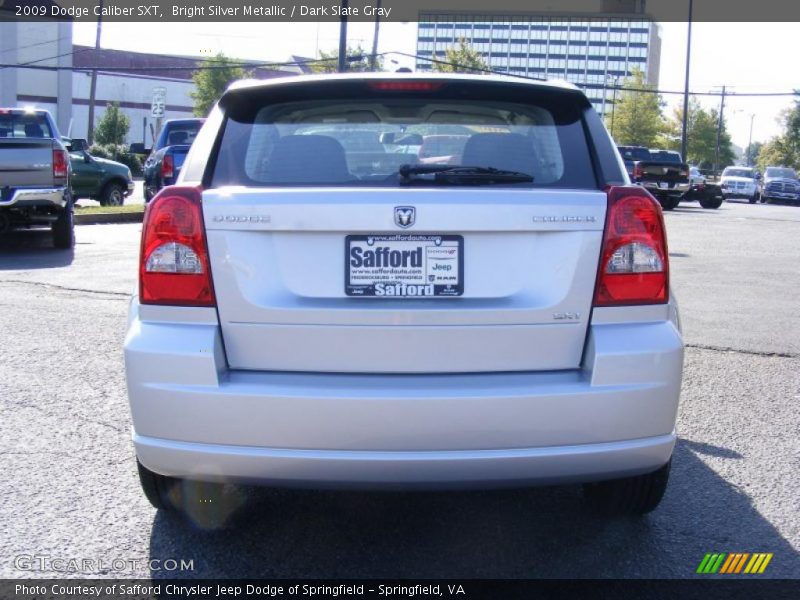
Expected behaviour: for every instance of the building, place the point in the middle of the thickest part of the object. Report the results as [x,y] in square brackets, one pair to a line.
[591,52]
[129,78]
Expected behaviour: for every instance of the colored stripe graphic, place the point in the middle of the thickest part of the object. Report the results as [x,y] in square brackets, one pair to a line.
[734,563]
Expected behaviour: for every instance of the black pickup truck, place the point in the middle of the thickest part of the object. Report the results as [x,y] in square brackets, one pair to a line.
[667,177]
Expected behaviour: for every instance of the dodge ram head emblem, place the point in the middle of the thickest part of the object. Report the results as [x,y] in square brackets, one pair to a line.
[404,216]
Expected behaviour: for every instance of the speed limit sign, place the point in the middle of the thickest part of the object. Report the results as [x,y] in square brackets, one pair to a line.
[159,106]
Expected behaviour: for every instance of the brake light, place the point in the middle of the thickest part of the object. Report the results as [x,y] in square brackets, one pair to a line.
[634,265]
[174,266]
[167,167]
[405,86]
[60,164]
[638,171]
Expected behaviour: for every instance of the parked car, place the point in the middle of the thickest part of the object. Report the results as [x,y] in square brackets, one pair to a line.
[740,182]
[164,162]
[780,185]
[695,176]
[631,155]
[34,175]
[426,326]
[107,181]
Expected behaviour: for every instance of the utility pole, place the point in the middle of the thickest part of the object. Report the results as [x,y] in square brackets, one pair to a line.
[343,38]
[373,61]
[685,124]
[93,85]
[750,142]
[719,128]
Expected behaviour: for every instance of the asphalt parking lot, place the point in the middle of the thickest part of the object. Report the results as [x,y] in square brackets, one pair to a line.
[70,490]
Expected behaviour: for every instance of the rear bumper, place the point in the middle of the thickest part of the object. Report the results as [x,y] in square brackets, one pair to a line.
[49,197]
[404,469]
[194,418]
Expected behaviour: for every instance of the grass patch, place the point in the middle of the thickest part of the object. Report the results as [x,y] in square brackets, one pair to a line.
[91,210]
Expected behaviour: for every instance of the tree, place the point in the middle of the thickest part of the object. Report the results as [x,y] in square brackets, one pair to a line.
[461,59]
[784,150]
[701,134]
[751,152]
[113,127]
[638,120]
[211,80]
[357,60]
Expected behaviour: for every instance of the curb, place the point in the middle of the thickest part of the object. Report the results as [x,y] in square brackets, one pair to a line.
[103,218]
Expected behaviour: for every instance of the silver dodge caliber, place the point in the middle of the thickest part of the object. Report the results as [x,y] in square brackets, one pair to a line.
[404,281]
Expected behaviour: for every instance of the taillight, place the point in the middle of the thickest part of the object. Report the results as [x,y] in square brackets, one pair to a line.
[60,164]
[174,266]
[634,265]
[638,171]
[167,167]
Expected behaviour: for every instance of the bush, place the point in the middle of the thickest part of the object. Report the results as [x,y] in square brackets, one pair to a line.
[119,153]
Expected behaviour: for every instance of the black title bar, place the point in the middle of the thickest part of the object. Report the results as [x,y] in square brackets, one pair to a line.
[396,10]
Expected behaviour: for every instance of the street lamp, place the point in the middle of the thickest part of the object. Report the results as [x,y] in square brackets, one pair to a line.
[750,142]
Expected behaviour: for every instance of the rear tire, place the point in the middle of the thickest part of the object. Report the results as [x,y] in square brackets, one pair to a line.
[711,203]
[157,487]
[63,230]
[113,195]
[637,495]
[669,203]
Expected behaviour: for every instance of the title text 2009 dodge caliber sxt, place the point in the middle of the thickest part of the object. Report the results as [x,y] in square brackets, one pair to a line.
[319,306]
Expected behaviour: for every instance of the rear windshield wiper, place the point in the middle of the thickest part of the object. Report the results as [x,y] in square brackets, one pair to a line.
[460,175]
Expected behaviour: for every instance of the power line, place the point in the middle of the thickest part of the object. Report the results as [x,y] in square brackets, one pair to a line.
[591,85]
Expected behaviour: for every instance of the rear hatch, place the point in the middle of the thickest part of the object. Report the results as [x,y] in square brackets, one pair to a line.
[325,261]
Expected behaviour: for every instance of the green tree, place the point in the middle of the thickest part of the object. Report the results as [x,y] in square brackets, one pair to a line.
[211,81]
[113,127]
[358,61]
[701,134]
[461,59]
[638,118]
[784,150]
[751,152]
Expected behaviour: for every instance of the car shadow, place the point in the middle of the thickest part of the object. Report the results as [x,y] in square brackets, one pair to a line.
[541,532]
[31,249]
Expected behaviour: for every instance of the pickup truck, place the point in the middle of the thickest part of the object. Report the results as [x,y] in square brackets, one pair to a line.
[631,155]
[665,175]
[107,181]
[163,165]
[34,175]
[780,185]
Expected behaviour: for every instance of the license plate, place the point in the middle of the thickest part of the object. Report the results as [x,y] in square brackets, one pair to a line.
[404,265]
[663,185]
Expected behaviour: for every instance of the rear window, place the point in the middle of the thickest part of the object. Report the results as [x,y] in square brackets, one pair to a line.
[182,133]
[364,140]
[664,156]
[630,153]
[24,125]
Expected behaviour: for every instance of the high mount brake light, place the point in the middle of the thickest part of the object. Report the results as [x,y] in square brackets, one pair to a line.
[634,264]
[174,267]
[405,86]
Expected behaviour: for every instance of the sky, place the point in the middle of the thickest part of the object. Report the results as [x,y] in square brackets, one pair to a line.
[745,57]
